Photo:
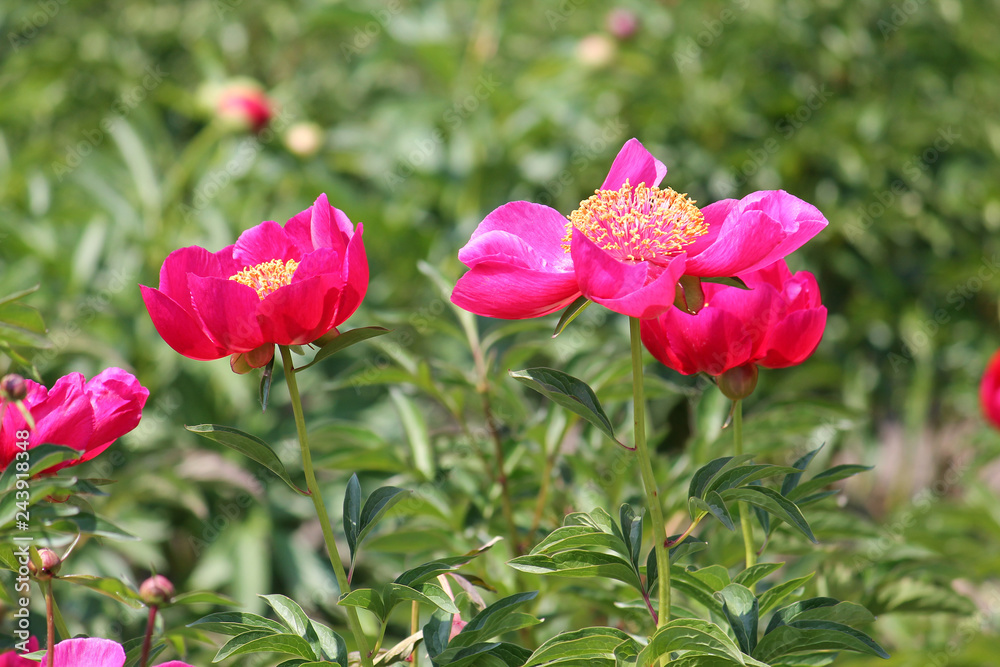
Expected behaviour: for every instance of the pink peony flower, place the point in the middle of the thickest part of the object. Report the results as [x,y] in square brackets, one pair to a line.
[989,390]
[277,285]
[777,323]
[94,652]
[625,247]
[12,659]
[87,416]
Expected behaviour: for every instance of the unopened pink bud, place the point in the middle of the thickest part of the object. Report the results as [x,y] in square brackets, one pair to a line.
[156,591]
[13,387]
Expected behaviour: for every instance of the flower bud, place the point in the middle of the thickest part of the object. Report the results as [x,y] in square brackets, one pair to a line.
[739,382]
[13,387]
[689,297]
[622,22]
[156,591]
[244,106]
[50,565]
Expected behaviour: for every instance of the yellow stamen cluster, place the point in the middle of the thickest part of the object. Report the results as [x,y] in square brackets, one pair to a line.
[267,277]
[638,223]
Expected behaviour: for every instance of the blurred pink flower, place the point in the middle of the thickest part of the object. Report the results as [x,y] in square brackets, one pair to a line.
[94,652]
[246,106]
[277,285]
[989,390]
[12,659]
[622,22]
[87,416]
[625,247]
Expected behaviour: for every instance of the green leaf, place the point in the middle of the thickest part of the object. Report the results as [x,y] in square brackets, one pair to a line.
[755,573]
[746,474]
[811,636]
[429,594]
[112,588]
[343,341]
[689,546]
[588,646]
[263,642]
[774,503]
[772,597]
[378,503]
[493,654]
[693,636]
[821,609]
[579,563]
[631,532]
[570,313]
[352,513]
[792,479]
[569,392]
[492,621]
[834,474]
[236,623]
[331,644]
[705,474]
[250,446]
[15,296]
[289,612]
[731,281]
[365,598]
[712,504]
[741,609]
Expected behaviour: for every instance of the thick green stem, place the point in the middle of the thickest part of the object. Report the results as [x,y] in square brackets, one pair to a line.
[648,481]
[324,520]
[745,511]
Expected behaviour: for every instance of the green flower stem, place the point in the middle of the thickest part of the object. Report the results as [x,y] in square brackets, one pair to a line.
[648,481]
[748,546]
[324,520]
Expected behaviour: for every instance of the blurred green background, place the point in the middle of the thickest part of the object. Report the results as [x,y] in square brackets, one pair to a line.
[417,119]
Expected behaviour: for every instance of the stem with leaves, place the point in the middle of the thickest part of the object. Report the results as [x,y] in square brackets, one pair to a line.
[748,546]
[648,481]
[353,621]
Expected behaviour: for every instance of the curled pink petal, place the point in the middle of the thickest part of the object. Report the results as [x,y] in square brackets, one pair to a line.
[635,164]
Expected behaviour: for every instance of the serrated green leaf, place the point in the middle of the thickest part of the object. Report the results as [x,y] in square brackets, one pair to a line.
[571,393]
[250,446]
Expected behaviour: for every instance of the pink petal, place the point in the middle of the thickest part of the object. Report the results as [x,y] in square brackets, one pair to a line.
[506,291]
[742,242]
[320,226]
[794,338]
[263,243]
[635,164]
[293,314]
[66,416]
[88,652]
[180,329]
[640,289]
[200,262]
[229,312]
[117,399]
[355,275]
[539,229]
[174,663]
